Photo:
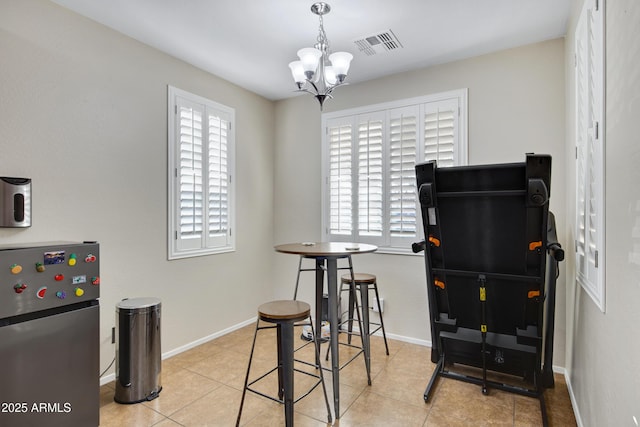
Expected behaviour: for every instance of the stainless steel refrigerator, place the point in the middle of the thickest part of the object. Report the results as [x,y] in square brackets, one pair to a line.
[49,334]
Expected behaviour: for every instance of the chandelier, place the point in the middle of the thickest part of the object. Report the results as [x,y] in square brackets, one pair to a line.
[318,72]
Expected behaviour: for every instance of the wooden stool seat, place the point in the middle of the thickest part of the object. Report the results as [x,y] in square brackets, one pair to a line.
[360,278]
[284,310]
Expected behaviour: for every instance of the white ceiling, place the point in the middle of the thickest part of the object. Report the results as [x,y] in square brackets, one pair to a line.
[251,42]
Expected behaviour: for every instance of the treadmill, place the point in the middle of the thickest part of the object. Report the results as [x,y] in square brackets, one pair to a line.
[491,257]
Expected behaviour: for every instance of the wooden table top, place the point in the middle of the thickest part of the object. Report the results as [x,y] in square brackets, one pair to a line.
[326,248]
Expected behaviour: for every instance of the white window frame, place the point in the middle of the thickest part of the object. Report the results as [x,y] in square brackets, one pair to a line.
[386,242]
[590,151]
[206,242]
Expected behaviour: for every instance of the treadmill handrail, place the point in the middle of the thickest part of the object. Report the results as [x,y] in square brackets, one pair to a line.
[553,246]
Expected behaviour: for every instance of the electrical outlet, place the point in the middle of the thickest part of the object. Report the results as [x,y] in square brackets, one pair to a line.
[375,307]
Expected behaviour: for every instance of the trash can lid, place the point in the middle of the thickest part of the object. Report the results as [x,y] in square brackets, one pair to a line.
[137,303]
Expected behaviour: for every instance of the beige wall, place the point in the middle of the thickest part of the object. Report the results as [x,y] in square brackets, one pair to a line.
[516,105]
[83,113]
[603,358]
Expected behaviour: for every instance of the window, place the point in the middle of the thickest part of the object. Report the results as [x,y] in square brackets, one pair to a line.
[369,157]
[589,105]
[201,166]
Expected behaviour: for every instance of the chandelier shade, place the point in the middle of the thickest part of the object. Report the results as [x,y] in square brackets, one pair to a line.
[341,62]
[309,57]
[297,71]
[318,71]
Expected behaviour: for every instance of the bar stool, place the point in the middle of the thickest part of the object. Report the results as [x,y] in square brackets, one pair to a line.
[284,315]
[363,282]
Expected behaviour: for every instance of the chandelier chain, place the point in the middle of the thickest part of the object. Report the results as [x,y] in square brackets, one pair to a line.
[322,36]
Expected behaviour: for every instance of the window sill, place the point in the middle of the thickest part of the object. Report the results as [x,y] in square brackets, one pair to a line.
[397,251]
[193,254]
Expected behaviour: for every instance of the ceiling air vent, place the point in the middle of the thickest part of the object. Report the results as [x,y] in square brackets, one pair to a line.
[378,43]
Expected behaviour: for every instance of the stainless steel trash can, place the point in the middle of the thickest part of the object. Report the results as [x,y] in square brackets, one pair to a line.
[138,364]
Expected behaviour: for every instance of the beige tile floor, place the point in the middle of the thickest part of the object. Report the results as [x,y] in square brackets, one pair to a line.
[202,387]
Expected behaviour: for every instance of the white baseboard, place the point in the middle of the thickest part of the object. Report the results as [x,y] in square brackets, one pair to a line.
[410,340]
[106,379]
[208,338]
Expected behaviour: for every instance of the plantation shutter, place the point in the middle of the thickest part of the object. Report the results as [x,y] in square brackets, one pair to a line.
[340,140]
[218,180]
[440,125]
[201,162]
[590,151]
[190,173]
[403,138]
[581,150]
[370,175]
